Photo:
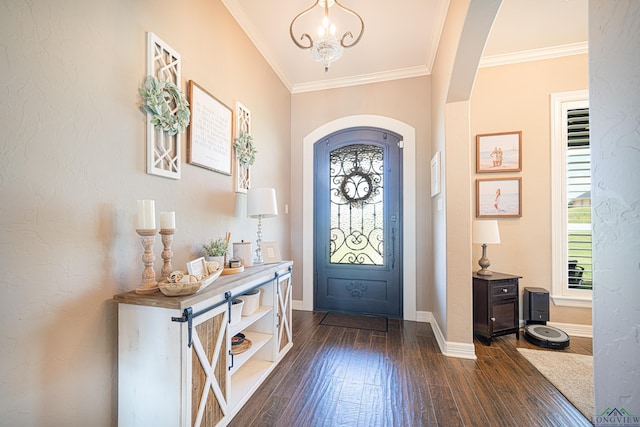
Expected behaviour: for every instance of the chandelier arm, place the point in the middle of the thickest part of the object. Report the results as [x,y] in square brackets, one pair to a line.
[348,33]
[304,35]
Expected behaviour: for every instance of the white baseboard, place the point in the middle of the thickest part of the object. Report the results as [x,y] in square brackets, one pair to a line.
[296,304]
[448,348]
[423,316]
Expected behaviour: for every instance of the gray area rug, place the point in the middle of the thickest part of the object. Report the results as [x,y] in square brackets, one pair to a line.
[571,374]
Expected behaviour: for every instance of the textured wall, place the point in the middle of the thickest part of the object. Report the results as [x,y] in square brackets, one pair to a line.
[614,86]
[72,165]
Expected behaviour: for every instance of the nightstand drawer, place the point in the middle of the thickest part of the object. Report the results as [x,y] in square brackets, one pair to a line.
[504,290]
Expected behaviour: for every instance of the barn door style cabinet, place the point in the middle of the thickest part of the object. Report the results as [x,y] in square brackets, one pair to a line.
[176,366]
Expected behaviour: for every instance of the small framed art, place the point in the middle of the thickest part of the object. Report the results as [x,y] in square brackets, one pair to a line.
[270,252]
[499,152]
[197,267]
[499,198]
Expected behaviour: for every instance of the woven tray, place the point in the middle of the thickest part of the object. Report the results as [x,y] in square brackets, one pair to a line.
[241,348]
[187,288]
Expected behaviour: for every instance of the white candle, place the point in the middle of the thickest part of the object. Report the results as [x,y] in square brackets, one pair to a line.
[167,220]
[146,214]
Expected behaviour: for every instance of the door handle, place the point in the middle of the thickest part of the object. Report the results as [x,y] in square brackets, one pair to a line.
[393,248]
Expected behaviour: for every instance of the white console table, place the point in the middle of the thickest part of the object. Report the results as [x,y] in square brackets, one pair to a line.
[175,366]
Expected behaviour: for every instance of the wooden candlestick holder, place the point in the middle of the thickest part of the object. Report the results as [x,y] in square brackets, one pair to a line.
[167,254]
[149,284]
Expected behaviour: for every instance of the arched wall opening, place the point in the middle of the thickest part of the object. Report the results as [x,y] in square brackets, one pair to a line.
[409,203]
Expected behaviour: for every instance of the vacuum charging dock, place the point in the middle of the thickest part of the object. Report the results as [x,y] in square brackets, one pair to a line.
[536,315]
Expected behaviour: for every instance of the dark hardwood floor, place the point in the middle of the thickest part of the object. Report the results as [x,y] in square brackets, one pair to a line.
[337,376]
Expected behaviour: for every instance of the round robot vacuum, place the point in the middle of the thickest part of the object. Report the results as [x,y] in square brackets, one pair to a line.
[546,336]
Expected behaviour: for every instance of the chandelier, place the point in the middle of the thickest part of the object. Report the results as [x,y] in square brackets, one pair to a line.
[327,48]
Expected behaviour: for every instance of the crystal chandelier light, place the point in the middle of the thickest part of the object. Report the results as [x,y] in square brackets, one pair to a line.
[327,48]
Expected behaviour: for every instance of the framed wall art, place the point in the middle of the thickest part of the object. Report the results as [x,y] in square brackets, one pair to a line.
[270,252]
[197,267]
[499,198]
[211,132]
[499,152]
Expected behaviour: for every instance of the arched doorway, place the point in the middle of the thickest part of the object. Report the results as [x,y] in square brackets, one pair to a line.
[408,203]
[357,227]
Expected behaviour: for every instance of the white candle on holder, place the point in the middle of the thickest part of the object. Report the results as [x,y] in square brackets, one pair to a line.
[167,220]
[146,215]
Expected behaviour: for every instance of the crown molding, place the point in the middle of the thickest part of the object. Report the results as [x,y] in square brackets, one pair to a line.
[361,79]
[245,23]
[487,61]
[535,54]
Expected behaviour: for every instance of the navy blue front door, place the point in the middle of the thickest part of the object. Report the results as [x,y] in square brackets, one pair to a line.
[357,222]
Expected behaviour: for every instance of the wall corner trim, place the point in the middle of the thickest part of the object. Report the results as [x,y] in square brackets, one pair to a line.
[452,349]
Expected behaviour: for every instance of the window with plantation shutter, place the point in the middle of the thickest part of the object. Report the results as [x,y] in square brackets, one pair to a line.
[571,199]
[579,271]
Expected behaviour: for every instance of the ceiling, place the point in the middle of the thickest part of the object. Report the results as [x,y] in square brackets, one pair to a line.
[401,37]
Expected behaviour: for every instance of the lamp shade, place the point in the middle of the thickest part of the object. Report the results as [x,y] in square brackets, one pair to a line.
[261,202]
[486,231]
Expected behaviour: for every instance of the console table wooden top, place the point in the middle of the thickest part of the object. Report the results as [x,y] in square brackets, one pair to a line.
[218,288]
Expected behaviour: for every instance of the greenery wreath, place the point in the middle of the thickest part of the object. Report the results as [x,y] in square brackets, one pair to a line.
[357,180]
[158,97]
[245,150]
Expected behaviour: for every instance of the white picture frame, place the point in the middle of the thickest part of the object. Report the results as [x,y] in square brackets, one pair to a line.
[198,267]
[210,136]
[270,252]
[243,124]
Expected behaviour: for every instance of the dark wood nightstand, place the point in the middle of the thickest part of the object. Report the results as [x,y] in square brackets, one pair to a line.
[495,306]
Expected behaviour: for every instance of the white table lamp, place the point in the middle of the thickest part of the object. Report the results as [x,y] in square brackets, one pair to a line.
[485,232]
[261,203]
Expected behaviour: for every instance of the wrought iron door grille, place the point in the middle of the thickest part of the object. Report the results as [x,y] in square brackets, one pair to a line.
[356,208]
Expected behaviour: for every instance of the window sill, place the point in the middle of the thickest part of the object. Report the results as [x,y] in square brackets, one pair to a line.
[567,301]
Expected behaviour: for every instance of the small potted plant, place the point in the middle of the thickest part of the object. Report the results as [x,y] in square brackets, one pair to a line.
[216,249]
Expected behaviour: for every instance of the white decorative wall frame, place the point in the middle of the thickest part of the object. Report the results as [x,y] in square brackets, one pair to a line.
[243,124]
[163,150]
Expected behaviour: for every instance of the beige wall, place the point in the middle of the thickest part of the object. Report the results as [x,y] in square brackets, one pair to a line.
[406,100]
[72,166]
[511,98]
